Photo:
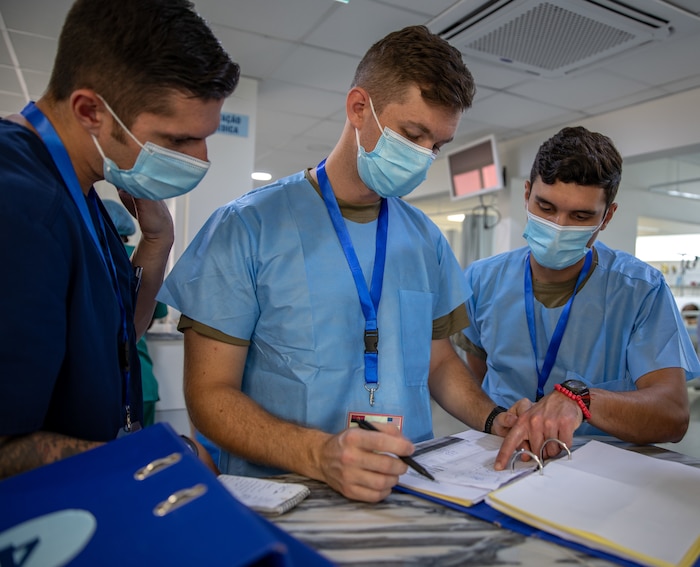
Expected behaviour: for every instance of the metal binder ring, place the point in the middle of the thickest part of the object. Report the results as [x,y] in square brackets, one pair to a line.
[561,443]
[156,466]
[520,452]
[179,498]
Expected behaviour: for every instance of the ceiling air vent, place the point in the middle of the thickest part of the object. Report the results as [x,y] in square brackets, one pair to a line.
[549,39]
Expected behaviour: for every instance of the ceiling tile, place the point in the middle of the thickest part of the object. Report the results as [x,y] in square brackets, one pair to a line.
[662,63]
[33,52]
[327,130]
[5,58]
[359,24]
[513,112]
[10,103]
[37,82]
[320,68]
[9,82]
[297,99]
[578,92]
[494,76]
[629,100]
[432,8]
[270,18]
[275,129]
[257,56]
[35,16]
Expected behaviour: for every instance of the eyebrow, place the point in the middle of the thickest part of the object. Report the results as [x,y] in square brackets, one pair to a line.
[427,131]
[541,200]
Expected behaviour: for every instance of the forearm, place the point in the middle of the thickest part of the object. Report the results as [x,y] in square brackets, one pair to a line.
[655,414]
[240,426]
[454,387]
[23,453]
[152,255]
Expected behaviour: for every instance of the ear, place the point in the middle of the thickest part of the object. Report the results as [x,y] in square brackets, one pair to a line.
[88,110]
[609,215]
[356,106]
[528,188]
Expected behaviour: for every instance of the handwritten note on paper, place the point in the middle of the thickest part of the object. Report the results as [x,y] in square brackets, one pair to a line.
[462,465]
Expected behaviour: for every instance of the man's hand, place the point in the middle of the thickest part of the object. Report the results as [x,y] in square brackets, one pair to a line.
[153,217]
[355,464]
[554,416]
[505,421]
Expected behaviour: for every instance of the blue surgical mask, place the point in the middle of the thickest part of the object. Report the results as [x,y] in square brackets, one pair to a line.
[158,173]
[554,246]
[396,166]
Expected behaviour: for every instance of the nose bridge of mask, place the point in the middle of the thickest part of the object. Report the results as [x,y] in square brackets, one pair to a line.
[560,229]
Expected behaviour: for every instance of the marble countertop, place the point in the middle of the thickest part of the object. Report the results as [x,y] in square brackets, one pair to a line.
[405,530]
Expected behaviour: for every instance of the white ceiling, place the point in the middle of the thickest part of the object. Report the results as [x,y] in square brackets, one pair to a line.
[304,52]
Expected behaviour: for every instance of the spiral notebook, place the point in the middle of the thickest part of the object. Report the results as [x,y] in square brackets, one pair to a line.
[269,497]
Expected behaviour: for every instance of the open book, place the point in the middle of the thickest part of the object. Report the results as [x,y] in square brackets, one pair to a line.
[633,506]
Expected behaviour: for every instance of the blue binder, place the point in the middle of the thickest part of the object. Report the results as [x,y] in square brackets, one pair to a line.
[143,499]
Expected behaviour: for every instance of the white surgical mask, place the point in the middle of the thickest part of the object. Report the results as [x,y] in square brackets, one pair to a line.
[396,166]
[158,173]
[555,246]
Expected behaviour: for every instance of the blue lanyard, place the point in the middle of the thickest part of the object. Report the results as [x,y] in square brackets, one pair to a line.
[555,342]
[60,156]
[369,299]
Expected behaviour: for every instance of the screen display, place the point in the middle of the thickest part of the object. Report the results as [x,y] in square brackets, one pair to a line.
[475,169]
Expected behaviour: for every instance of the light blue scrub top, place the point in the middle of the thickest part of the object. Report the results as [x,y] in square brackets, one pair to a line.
[624,323]
[269,267]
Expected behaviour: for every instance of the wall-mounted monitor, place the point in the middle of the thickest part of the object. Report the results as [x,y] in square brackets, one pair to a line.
[475,169]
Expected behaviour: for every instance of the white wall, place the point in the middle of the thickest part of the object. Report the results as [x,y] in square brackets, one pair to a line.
[661,125]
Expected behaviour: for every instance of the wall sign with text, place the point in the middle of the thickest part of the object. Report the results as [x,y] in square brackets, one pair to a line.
[233,124]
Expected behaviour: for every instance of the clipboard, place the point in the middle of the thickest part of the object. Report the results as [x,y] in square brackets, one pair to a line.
[142,499]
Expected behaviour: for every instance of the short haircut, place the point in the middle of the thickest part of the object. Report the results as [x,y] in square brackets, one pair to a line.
[136,52]
[415,56]
[576,155]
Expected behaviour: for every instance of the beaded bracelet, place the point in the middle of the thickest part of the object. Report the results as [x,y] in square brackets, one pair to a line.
[576,398]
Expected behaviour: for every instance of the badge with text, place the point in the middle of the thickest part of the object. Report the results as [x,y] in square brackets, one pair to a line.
[396,420]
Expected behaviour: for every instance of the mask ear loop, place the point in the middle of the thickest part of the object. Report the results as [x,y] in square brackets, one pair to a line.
[118,120]
[357,133]
[376,119]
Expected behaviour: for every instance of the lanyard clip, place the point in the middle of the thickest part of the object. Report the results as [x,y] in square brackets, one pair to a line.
[371,341]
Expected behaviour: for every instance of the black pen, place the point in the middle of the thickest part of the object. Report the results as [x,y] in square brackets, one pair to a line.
[363,424]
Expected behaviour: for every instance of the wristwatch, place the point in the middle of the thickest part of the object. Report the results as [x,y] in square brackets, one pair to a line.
[578,388]
[190,444]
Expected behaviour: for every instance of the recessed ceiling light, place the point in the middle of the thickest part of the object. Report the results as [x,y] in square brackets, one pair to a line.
[456,218]
[261,176]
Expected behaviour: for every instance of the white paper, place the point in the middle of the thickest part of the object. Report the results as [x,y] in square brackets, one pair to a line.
[462,465]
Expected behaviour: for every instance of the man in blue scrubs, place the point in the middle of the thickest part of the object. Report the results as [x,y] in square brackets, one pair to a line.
[592,335]
[324,298]
[136,88]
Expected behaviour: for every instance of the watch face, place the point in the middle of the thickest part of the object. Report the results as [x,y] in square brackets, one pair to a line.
[575,386]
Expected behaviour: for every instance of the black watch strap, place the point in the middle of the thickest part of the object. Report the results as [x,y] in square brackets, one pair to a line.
[491,418]
[191,444]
